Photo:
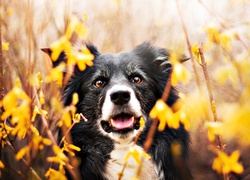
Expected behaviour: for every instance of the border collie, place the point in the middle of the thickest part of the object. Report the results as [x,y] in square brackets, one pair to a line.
[114,94]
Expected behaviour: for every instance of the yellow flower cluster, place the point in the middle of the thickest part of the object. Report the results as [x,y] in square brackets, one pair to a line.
[61,159]
[81,58]
[67,113]
[167,116]
[15,103]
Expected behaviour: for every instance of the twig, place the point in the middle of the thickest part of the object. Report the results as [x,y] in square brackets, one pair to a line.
[1,59]
[203,64]
[24,161]
[49,133]
[1,71]
[165,94]
[66,133]
[209,88]
[189,46]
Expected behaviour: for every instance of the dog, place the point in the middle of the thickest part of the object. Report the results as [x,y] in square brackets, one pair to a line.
[114,94]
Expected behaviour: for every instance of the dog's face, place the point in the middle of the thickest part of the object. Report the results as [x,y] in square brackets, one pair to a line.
[114,94]
[120,89]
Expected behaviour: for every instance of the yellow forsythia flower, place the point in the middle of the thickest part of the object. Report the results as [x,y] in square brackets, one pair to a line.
[77,118]
[41,97]
[5,130]
[53,174]
[195,51]
[36,80]
[21,153]
[213,128]
[142,122]
[38,111]
[75,99]
[213,34]
[59,157]
[56,74]
[1,165]
[225,164]
[70,148]
[164,114]
[58,46]
[137,154]
[5,46]
[84,58]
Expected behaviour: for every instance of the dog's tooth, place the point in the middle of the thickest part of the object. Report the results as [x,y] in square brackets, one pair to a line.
[112,121]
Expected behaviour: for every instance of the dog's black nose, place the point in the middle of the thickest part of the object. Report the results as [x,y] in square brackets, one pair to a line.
[120,97]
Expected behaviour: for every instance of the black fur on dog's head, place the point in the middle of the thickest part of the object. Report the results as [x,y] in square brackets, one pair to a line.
[114,94]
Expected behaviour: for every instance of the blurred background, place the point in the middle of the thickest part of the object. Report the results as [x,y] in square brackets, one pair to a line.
[119,25]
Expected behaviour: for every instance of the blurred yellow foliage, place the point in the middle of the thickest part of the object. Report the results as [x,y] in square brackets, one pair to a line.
[180,74]
[227,73]
[224,39]
[56,74]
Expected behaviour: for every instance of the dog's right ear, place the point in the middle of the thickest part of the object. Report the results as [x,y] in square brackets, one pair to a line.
[93,50]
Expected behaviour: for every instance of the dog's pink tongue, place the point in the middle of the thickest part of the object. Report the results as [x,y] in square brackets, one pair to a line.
[122,123]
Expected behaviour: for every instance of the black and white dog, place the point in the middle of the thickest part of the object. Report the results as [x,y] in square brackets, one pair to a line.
[114,94]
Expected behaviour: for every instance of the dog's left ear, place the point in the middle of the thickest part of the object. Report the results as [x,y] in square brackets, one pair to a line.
[62,57]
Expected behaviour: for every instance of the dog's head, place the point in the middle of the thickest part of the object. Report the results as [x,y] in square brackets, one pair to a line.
[121,88]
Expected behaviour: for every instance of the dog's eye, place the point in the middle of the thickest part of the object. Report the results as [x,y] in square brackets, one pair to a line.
[136,79]
[99,83]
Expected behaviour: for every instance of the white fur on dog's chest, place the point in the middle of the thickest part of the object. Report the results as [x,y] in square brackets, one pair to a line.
[116,164]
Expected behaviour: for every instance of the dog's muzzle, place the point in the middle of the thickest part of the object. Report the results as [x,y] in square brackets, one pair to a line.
[124,119]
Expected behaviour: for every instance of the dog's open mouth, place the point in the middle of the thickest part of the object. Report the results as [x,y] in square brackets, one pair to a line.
[121,123]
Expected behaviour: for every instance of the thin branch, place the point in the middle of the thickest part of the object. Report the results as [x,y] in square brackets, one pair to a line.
[189,46]
[1,59]
[24,161]
[153,127]
[1,70]
[203,64]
